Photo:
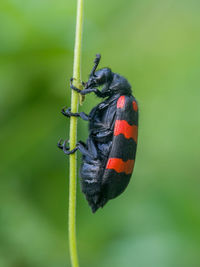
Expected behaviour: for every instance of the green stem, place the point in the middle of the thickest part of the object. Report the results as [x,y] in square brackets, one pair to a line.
[73,136]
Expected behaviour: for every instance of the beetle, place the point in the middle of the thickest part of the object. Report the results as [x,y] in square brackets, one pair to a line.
[108,156]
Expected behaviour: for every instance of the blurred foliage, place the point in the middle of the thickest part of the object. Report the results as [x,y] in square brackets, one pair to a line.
[155,44]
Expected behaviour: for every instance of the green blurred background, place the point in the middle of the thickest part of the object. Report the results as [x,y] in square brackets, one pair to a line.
[156,45]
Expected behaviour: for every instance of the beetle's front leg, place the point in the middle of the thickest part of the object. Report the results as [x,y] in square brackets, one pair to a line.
[68,113]
[85,91]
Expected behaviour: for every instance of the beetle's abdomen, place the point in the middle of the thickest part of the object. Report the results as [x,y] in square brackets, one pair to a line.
[91,173]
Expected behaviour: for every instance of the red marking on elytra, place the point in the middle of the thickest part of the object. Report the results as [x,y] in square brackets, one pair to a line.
[129,131]
[135,106]
[121,102]
[120,166]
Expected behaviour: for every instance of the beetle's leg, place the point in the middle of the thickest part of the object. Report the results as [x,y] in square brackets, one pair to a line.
[73,87]
[85,91]
[80,145]
[62,145]
[92,90]
[68,113]
[92,148]
[89,150]
[84,150]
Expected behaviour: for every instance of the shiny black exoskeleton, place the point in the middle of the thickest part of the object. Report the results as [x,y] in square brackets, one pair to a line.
[109,153]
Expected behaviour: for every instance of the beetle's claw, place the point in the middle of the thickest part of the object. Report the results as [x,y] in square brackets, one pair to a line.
[60,144]
[73,87]
[66,111]
[65,149]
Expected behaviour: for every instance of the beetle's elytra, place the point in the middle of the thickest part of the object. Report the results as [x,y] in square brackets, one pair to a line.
[108,156]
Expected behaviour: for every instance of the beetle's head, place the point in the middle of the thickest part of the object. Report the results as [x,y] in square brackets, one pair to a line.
[100,77]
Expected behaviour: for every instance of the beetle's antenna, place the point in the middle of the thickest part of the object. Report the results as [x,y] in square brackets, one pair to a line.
[96,63]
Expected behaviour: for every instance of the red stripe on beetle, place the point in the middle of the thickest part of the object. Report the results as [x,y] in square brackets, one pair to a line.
[121,102]
[120,166]
[135,106]
[129,131]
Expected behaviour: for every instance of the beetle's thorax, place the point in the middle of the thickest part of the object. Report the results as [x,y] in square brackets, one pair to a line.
[119,85]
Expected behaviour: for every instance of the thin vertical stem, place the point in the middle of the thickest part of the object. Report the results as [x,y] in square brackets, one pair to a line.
[73,137]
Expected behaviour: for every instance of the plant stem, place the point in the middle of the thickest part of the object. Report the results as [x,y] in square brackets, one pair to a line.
[73,137]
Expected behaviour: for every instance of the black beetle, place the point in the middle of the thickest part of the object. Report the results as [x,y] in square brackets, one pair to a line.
[109,153]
